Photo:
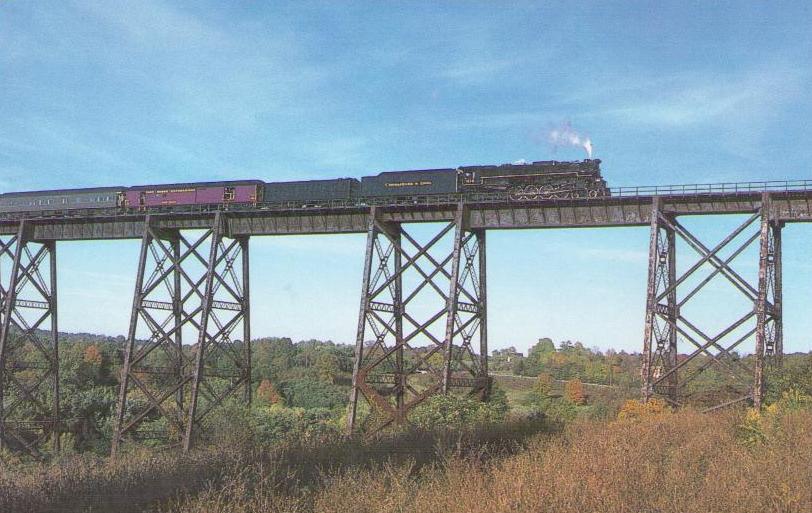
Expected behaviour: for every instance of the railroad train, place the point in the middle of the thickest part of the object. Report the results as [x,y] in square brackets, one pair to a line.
[530,181]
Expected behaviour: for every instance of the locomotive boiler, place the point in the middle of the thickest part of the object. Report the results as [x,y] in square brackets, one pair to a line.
[538,180]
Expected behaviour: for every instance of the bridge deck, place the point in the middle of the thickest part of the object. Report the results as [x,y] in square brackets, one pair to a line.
[792,202]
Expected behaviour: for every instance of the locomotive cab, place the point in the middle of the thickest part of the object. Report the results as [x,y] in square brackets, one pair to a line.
[464,178]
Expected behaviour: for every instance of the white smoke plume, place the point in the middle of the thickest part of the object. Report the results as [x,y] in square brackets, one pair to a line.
[565,135]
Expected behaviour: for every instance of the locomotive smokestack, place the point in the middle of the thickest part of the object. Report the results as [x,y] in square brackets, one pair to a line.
[565,135]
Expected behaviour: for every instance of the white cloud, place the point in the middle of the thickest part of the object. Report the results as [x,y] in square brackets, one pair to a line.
[475,69]
[154,23]
[720,102]
[693,98]
[67,140]
[226,72]
[340,151]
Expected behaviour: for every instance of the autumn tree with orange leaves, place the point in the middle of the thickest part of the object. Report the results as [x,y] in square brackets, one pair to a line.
[267,394]
[574,391]
[92,355]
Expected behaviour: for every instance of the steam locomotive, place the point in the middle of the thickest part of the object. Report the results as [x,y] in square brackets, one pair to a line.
[532,181]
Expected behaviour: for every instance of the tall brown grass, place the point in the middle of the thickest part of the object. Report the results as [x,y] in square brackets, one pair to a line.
[144,480]
[680,463]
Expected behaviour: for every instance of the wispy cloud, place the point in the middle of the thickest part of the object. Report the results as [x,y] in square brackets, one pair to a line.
[340,151]
[478,69]
[495,120]
[695,98]
[67,140]
[690,101]
[157,68]
[204,73]
[155,24]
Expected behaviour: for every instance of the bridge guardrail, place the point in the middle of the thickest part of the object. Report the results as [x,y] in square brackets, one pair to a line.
[712,188]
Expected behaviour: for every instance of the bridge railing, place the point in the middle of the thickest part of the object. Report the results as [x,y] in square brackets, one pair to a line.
[712,188]
[615,192]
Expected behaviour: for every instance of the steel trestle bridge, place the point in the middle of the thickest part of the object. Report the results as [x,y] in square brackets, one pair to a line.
[193,277]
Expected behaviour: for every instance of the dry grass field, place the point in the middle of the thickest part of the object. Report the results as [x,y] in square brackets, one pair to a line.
[649,461]
[680,463]
[147,480]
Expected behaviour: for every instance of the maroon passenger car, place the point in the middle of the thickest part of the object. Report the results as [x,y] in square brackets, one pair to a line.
[204,193]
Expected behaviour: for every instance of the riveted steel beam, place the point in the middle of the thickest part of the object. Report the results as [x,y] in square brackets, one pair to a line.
[769,325]
[29,344]
[222,365]
[407,350]
[669,375]
[194,285]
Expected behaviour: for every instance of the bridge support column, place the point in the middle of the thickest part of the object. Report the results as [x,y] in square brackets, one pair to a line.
[222,365]
[660,334]
[29,344]
[198,286]
[411,354]
[769,325]
[673,378]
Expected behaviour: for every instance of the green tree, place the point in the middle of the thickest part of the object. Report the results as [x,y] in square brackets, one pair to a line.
[544,384]
[452,411]
[311,393]
[327,366]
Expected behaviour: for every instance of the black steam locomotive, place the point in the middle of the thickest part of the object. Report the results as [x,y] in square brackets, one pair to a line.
[537,180]
[526,181]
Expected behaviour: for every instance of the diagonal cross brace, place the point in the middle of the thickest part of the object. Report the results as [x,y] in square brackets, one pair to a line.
[766,299]
[460,293]
[194,302]
[29,293]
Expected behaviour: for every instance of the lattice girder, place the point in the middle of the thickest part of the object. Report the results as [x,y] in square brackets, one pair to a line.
[29,344]
[197,287]
[406,349]
[663,372]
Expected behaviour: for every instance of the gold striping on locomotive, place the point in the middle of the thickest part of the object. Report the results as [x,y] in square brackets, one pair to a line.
[421,183]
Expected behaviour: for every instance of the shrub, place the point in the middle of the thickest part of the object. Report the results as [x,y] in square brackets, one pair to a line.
[311,393]
[277,424]
[454,411]
[557,410]
[633,409]
[759,427]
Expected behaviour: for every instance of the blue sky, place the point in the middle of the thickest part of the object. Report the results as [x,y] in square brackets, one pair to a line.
[104,93]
